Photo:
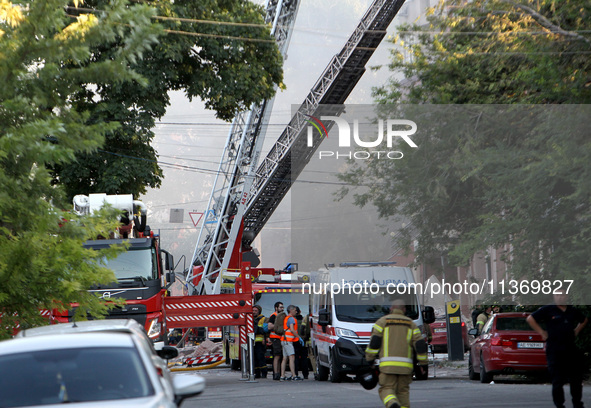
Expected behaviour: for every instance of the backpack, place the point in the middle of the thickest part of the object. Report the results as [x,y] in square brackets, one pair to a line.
[279,321]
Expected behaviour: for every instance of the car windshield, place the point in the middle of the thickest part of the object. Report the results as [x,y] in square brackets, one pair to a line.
[133,264]
[74,375]
[267,300]
[513,323]
[367,307]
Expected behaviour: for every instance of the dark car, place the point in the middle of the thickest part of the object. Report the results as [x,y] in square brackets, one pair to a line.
[507,345]
[439,336]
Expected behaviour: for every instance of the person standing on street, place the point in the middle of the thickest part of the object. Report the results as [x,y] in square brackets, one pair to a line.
[563,324]
[483,318]
[260,365]
[290,336]
[475,313]
[301,348]
[276,342]
[393,339]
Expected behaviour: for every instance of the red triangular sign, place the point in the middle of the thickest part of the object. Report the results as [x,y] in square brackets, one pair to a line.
[195,217]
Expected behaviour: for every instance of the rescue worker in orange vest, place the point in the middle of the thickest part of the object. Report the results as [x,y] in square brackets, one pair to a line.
[290,336]
[260,365]
[276,342]
[393,339]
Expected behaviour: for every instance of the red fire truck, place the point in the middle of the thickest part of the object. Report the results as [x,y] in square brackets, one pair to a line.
[143,272]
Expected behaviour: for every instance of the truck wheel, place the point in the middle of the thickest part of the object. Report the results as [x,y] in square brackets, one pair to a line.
[473,375]
[484,376]
[334,375]
[321,373]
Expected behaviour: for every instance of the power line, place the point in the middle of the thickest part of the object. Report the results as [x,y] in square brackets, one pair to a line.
[209,124]
[187,33]
[227,37]
[486,32]
[210,171]
[512,53]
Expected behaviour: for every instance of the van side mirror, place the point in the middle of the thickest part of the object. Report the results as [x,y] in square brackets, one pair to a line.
[428,315]
[323,317]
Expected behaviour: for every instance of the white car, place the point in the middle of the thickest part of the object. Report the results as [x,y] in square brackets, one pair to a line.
[89,368]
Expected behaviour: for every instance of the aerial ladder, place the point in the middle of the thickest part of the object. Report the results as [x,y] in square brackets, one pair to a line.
[239,209]
[245,196]
[236,172]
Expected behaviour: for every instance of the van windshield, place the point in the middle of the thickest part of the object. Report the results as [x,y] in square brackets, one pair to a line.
[367,307]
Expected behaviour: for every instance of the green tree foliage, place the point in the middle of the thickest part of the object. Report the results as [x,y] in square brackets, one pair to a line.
[495,51]
[218,51]
[46,61]
[484,175]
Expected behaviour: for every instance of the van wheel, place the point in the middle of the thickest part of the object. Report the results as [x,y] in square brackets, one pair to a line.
[321,373]
[473,375]
[334,375]
[484,376]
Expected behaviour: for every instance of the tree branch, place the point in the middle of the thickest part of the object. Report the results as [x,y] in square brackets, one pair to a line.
[544,22]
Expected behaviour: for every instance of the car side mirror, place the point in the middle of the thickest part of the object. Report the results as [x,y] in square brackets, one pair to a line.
[168,352]
[473,332]
[428,315]
[186,386]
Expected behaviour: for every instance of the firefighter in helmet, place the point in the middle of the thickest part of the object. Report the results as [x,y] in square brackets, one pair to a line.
[260,365]
[393,339]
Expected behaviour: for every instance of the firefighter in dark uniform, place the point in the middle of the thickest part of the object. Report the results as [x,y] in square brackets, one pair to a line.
[483,318]
[393,339]
[563,324]
[260,365]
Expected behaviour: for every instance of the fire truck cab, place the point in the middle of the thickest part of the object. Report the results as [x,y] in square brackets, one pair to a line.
[143,272]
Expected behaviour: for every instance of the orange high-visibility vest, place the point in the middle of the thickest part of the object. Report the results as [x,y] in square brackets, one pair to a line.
[289,336]
[273,335]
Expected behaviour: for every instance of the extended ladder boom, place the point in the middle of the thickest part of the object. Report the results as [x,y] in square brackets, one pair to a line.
[290,154]
[237,167]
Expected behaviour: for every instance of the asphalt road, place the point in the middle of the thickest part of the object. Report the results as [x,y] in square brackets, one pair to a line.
[224,389]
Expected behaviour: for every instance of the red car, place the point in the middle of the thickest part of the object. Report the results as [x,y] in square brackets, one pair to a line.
[439,336]
[507,345]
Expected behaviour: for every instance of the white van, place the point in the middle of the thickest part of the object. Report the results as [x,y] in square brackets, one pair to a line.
[345,303]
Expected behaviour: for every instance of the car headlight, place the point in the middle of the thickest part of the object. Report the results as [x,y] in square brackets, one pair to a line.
[345,333]
[155,329]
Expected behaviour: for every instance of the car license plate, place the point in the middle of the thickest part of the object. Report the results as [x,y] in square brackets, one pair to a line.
[440,330]
[530,345]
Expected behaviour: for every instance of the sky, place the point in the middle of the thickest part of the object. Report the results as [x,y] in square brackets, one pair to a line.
[190,140]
